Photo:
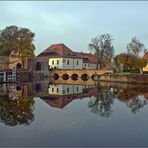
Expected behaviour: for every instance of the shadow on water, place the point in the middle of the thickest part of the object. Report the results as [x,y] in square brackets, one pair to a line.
[17,100]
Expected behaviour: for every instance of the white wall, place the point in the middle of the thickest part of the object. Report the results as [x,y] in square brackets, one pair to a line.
[66,63]
[145,68]
[89,66]
[65,89]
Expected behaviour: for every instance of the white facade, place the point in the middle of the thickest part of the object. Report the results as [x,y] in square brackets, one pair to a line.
[89,66]
[66,63]
[65,89]
[145,68]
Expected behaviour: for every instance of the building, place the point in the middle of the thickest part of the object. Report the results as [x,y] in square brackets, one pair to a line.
[145,69]
[12,64]
[59,56]
[13,60]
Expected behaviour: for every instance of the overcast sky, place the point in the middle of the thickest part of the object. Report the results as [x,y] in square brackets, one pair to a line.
[74,23]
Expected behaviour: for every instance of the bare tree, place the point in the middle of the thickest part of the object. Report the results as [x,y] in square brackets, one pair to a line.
[135,47]
[103,101]
[102,47]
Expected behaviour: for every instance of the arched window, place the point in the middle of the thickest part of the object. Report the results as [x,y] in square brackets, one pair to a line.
[38,66]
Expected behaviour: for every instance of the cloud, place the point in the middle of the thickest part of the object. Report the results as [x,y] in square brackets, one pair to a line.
[75,23]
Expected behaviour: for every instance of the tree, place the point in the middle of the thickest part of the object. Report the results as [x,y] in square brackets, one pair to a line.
[135,47]
[102,103]
[132,96]
[17,112]
[130,62]
[17,39]
[103,49]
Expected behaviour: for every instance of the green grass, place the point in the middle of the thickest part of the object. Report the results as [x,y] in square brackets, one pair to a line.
[116,74]
[122,74]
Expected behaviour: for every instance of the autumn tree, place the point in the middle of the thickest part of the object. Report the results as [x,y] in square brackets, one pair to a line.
[130,62]
[103,49]
[17,112]
[17,39]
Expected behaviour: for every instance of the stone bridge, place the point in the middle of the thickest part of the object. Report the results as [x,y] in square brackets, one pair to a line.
[84,74]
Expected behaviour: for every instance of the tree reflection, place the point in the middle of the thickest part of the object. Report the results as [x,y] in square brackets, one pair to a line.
[136,104]
[17,112]
[133,96]
[102,103]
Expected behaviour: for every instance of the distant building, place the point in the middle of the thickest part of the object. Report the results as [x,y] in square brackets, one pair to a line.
[10,64]
[59,56]
[13,60]
[146,58]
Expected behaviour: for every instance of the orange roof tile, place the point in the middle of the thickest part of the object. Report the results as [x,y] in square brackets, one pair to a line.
[145,56]
[88,57]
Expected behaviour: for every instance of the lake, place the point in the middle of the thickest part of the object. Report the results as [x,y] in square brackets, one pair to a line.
[44,114]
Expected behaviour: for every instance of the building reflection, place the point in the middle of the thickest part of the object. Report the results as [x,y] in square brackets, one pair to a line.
[60,95]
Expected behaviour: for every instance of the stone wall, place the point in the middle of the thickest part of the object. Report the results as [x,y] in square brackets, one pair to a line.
[142,79]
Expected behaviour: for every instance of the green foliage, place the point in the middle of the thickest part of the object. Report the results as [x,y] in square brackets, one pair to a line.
[130,62]
[17,112]
[20,40]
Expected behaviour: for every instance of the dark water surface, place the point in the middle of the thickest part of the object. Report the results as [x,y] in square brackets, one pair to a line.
[107,114]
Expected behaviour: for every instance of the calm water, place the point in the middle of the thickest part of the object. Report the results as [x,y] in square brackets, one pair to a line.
[40,114]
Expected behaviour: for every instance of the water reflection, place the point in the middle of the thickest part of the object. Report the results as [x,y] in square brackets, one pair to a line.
[135,96]
[17,100]
[16,106]
[60,95]
[102,102]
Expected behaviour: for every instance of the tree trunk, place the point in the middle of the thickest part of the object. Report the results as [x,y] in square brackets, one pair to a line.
[97,64]
[23,62]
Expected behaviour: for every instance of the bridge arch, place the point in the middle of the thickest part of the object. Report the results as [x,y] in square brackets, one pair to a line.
[18,66]
[55,76]
[65,76]
[74,76]
[85,77]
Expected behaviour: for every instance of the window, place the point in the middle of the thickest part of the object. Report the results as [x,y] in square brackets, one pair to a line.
[67,62]
[52,62]
[77,89]
[77,62]
[57,62]
[68,90]
[52,89]
[63,91]
[63,60]
[57,90]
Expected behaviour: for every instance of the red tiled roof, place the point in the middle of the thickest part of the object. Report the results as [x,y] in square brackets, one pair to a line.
[88,57]
[58,50]
[61,50]
[145,56]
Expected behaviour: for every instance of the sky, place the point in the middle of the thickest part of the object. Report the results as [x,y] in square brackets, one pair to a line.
[75,23]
